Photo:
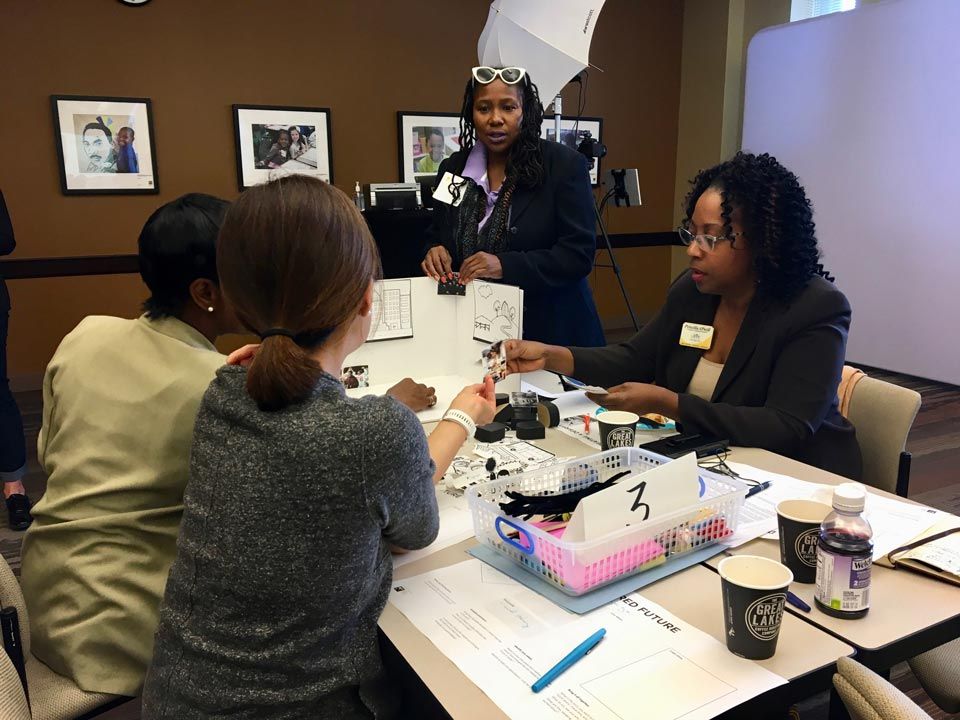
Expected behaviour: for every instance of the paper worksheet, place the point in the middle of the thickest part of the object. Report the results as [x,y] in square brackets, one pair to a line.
[392,311]
[893,522]
[504,636]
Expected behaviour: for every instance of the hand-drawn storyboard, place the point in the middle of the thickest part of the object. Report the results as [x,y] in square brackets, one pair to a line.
[392,311]
[496,314]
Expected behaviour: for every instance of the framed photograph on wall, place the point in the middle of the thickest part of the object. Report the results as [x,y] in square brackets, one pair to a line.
[104,145]
[572,133]
[272,141]
[424,140]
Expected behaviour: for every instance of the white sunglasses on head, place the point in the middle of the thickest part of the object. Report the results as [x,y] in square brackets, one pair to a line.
[486,75]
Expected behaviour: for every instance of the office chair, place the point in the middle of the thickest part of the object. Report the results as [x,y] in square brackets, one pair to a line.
[867,696]
[52,696]
[938,671]
[883,414]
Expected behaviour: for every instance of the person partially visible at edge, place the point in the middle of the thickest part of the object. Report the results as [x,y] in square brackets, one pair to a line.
[271,608]
[762,369]
[524,214]
[13,450]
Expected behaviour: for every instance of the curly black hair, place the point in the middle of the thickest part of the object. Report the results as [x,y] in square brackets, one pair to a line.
[777,220]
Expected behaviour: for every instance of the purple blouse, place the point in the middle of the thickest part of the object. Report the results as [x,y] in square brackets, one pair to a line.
[476,170]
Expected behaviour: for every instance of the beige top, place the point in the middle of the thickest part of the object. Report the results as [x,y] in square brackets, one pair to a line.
[119,402]
[705,379]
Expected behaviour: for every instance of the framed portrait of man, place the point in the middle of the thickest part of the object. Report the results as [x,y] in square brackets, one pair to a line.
[273,141]
[105,145]
[425,140]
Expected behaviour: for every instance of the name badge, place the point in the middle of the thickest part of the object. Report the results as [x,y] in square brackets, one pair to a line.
[443,194]
[696,336]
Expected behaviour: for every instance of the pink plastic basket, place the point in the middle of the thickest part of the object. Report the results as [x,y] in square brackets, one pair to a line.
[576,568]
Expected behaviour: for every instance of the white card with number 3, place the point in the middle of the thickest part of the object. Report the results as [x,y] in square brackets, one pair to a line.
[635,499]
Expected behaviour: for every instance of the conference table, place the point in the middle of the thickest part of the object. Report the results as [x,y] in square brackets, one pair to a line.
[909,613]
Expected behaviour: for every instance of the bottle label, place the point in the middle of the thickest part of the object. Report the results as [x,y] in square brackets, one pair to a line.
[843,581]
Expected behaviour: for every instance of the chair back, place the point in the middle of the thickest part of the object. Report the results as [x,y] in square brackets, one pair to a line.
[867,696]
[12,596]
[13,703]
[883,414]
[938,671]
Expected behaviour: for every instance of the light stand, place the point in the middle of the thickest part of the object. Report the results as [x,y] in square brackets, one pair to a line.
[614,265]
[593,149]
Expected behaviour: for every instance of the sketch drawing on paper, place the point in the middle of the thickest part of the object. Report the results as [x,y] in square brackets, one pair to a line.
[496,313]
[392,311]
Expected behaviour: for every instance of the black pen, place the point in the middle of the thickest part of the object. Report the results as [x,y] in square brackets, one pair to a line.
[797,602]
[759,487]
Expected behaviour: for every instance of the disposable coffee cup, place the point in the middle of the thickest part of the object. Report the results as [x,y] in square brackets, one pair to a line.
[799,527]
[618,429]
[754,592]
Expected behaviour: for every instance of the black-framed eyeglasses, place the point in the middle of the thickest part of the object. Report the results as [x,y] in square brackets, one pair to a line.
[486,75]
[705,242]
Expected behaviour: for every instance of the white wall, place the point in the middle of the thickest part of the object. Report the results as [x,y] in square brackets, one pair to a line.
[865,107]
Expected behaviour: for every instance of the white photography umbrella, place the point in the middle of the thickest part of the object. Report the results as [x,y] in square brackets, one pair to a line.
[550,38]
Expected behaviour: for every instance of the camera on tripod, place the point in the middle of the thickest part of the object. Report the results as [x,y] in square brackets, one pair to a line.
[591,148]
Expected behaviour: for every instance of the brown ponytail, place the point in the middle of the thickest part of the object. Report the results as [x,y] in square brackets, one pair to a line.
[294,254]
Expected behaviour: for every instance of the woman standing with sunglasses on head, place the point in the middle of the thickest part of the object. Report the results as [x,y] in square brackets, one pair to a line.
[519,210]
[750,343]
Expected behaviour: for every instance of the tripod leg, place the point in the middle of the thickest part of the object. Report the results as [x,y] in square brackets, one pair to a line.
[616,268]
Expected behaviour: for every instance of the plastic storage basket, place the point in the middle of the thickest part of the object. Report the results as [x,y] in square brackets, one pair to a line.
[577,567]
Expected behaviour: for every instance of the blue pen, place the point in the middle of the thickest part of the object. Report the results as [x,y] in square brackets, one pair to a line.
[797,602]
[576,654]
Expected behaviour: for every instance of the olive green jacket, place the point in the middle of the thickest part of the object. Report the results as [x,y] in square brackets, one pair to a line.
[119,402]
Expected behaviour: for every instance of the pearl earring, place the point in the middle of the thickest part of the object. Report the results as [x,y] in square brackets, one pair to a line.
[209,308]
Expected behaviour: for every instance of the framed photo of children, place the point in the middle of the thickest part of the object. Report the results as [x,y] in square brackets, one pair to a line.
[424,140]
[573,131]
[104,145]
[273,141]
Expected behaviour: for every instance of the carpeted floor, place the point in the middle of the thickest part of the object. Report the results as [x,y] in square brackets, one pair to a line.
[934,480]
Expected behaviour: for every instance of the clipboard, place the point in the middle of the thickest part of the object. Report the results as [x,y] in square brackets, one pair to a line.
[895,558]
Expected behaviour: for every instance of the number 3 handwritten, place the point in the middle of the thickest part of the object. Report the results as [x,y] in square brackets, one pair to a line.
[636,503]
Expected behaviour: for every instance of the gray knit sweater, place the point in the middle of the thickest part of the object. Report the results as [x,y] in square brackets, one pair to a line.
[283,565]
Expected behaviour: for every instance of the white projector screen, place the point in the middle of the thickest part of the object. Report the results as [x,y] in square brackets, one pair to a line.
[864,106]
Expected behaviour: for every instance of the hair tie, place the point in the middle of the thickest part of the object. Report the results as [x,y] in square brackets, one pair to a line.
[276,331]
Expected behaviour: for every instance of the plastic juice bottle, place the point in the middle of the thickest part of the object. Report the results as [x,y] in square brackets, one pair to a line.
[844,556]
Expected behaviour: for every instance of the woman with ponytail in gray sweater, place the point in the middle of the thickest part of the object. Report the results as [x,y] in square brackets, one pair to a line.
[272,604]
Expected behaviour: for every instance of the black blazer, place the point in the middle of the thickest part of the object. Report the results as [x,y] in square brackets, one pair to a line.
[550,247]
[778,388]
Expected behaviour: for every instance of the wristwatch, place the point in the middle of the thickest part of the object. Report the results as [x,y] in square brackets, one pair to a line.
[462,419]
